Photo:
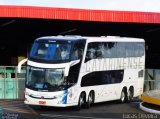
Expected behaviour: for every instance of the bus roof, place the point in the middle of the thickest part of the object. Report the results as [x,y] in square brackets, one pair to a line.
[92,39]
[114,39]
[70,38]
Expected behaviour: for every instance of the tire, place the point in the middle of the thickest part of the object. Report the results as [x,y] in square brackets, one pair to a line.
[123,96]
[90,100]
[81,101]
[130,95]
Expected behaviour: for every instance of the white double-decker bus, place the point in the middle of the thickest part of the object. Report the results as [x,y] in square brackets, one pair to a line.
[79,71]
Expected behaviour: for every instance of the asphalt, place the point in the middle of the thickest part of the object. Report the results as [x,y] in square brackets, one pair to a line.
[106,110]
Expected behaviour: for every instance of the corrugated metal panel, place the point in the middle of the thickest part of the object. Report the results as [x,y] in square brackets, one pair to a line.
[79,14]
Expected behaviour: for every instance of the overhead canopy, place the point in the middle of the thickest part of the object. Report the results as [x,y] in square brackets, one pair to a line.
[117,5]
[136,11]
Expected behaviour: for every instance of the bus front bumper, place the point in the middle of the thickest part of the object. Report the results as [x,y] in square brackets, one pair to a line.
[47,102]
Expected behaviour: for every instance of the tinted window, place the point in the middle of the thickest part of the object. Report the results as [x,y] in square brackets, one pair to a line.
[102,77]
[114,50]
[50,51]
[77,51]
[109,50]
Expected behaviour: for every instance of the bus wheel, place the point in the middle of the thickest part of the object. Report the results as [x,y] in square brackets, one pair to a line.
[81,101]
[90,99]
[130,95]
[123,96]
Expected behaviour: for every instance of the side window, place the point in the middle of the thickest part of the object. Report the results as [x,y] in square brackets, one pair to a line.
[112,77]
[130,49]
[140,47]
[88,80]
[73,74]
[99,50]
[78,50]
[114,50]
[95,50]
[134,49]
[121,50]
[111,50]
[103,77]
[91,52]
[107,50]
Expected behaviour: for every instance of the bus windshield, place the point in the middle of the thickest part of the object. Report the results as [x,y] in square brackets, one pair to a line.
[54,52]
[45,79]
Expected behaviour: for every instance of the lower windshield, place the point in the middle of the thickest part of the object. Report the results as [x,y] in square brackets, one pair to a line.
[45,79]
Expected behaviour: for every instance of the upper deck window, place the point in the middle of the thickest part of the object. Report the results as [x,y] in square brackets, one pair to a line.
[57,51]
[51,51]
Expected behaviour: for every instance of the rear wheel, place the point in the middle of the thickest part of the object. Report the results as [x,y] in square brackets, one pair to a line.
[123,96]
[90,99]
[130,95]
[81,101]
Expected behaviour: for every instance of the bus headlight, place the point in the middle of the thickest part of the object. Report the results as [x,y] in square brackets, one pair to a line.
[26,93]
[60,96]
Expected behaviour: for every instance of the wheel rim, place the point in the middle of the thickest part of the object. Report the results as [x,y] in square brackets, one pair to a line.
[90,98]
[81,101]
[130,95]
[122,96]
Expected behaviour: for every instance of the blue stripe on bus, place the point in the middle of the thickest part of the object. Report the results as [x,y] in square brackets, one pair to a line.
[64,99]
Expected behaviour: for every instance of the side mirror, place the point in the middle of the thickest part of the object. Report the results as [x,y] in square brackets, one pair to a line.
[20,64]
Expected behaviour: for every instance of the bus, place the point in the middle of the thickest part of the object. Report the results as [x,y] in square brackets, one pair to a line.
[78,71]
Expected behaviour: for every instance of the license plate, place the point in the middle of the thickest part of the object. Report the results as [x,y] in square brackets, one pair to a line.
[42,102]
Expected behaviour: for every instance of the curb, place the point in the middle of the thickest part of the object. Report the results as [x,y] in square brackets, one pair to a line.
[150,99]
[148,109]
